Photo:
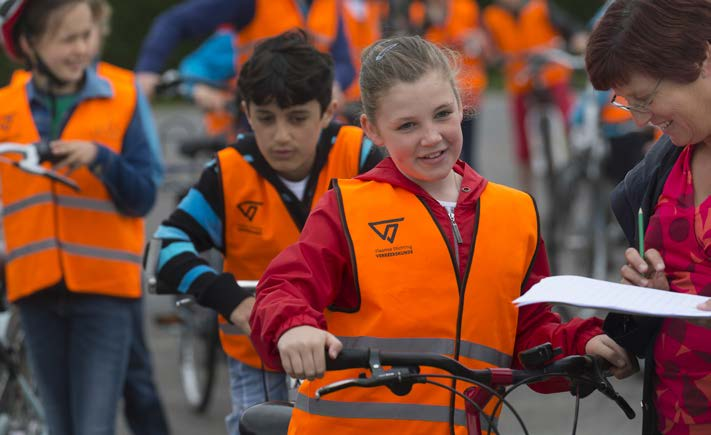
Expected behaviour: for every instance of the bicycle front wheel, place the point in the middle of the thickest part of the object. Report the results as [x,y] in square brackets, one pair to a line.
[199,346]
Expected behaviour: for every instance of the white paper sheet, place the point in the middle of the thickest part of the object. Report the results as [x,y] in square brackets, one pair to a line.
[592,293]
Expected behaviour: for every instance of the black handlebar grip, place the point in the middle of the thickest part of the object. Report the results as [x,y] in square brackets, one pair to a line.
[44,152]
[349,359]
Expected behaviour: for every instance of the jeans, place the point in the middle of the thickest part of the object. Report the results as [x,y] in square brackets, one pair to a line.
[247,389]
[142,405]
[78,347]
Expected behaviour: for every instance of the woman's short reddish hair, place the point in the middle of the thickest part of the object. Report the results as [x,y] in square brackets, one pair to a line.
[662,39]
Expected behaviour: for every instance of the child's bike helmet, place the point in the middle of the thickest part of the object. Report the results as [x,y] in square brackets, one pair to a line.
[10,12]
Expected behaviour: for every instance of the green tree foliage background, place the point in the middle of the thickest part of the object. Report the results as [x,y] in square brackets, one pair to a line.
[132,19]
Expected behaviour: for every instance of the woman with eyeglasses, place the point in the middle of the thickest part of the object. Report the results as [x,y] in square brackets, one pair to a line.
[656,57]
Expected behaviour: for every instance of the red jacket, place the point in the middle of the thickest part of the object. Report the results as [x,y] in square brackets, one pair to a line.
[316,272]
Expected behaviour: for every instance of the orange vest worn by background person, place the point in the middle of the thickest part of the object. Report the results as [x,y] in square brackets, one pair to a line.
[361,20]
[54,233]
[258,222]
[409,287]
[517,36]
[272,17]
[462,20]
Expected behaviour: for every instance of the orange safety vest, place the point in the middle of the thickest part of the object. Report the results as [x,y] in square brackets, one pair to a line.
[362,28]
[272,17]
[54,233]
[20,76]
[258,225]
[462,19]
[409,290]
[515,37]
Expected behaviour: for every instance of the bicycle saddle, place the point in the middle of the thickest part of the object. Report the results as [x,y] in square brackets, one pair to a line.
[268,418]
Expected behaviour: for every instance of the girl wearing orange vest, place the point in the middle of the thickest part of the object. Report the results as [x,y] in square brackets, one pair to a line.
[421,253]
[253,199]
[74,258]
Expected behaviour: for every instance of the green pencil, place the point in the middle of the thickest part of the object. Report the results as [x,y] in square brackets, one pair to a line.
[640,231]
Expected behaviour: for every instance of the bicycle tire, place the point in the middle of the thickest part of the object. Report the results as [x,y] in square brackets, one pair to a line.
[198,355]
[542,127]
[552,220]
[599,240]
[21,408]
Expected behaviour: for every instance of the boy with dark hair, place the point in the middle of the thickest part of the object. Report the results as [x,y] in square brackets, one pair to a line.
[253,199]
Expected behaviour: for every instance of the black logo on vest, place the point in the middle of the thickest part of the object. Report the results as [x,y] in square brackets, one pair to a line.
[6,121]
[387,229]
[249,209]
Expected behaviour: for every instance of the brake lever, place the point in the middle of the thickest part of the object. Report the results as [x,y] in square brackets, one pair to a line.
[400,376]
[336,386]
[605,387]
[62,179]
[31,163]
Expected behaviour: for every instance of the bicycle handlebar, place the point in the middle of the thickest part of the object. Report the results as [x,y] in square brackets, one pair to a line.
[171,83]
[537,60]
[33,155]
[587,368]
[556,55]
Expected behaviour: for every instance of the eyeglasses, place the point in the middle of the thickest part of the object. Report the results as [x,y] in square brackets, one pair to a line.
[643,108]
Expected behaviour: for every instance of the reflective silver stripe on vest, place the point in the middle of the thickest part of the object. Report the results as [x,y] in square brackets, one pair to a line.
[86,203]
[380,410]
[101,253]
[86,251]
[65,201]
[229,328]
[32,248]
[443,346]
[27,202]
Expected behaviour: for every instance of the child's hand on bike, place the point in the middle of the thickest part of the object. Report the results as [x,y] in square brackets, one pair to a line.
[240,315]
[623,364]
[73,153]
[644,272]
[302,351]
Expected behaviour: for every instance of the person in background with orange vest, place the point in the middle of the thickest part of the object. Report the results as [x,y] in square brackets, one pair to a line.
[253,20]
[387,260]
[209,78]
[74,258]
[518,28]
[455,24]
[253,199]
[362,21]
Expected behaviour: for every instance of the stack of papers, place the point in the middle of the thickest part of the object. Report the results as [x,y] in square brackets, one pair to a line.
[592,293]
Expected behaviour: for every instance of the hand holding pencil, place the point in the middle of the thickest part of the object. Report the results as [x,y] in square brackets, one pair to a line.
[644,272]
[644,268]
